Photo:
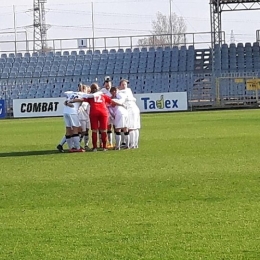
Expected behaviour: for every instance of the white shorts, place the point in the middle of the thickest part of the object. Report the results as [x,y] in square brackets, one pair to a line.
[121,120]
[71,120]
[133,117]
[85,124]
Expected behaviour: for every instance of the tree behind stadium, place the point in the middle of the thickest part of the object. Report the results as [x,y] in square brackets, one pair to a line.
[166,31]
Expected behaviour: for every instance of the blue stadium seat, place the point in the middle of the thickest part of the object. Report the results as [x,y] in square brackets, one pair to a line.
[148,69]
[53,73]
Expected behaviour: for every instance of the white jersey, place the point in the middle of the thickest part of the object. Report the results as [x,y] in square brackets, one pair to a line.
[130,100]
[119,114]
[106,92]
[70,95]
[120,110]
[117,110]
[132,108]
[83,111]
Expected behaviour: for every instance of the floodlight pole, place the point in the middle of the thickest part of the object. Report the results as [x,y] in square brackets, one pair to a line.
[40,29]
[171,19]
[15,33]
[93,26]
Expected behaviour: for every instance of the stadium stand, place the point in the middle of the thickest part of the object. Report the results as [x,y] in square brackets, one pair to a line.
[149,70]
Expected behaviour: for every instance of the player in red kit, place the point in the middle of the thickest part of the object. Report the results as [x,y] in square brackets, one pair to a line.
[98,114]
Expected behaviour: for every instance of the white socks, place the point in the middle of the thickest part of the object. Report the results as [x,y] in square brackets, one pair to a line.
[118,139]
[127,139]
[136,138]
[122,137]
[63,141]
[76,141]
[69,141]
[132,138]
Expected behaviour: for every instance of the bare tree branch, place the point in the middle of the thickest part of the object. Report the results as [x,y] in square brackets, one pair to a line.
[166,31]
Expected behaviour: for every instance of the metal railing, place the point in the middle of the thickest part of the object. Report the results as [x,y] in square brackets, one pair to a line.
[198,39]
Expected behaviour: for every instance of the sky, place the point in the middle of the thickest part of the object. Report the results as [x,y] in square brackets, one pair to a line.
[68,19]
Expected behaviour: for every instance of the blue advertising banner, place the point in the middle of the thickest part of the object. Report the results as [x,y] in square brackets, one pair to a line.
[2,108]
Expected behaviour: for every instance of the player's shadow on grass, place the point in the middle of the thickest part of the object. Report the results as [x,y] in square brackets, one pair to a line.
[28,153]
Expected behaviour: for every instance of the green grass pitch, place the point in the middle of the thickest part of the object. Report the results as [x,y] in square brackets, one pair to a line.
[191,191]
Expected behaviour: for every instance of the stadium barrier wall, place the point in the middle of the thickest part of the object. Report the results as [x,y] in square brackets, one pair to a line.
[38,107]
[49,107]
[162,102]
[2,108]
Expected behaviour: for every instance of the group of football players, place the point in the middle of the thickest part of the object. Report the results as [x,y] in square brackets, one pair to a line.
[104,111]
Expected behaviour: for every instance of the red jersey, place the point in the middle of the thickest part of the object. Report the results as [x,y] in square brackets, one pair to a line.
[98,104]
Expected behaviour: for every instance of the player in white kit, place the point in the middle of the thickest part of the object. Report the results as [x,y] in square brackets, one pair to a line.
[72,122]
[120,118]
[133,113]
[83,113]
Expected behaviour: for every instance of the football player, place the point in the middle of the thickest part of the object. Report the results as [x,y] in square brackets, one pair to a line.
[120,118]
[133,113]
